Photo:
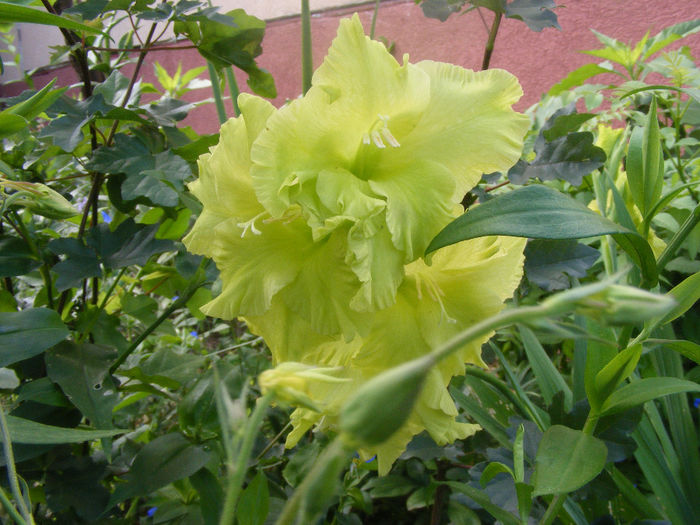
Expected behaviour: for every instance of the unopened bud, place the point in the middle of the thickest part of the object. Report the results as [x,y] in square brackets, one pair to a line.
[612,303]
[40,199]
[294,383]
[383,404]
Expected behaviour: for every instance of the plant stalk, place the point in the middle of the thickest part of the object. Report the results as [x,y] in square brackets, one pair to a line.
[488,50]
[236,477]
[680,236]
[306,53]
[216,91]
[11,472]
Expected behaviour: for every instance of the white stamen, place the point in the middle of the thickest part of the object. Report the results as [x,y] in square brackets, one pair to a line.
[377,139]
[365,139]
[390,138]
[250,225]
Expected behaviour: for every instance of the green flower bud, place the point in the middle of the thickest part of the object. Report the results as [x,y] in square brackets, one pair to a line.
[612,303]
[40,199]
[385,402]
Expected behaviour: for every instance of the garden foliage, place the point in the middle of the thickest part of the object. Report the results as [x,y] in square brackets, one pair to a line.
[296,321]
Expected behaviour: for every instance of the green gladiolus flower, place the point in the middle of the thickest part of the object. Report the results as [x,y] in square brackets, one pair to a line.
[317,216]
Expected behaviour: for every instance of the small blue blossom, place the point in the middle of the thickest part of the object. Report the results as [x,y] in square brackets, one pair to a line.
[193,333]
[176,297]
[151,511]
[696,402]
[106,217]
[371,459]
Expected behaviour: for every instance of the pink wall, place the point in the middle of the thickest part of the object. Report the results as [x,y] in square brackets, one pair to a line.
[539,60]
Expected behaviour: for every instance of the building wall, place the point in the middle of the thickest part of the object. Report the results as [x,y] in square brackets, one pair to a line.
[539,60]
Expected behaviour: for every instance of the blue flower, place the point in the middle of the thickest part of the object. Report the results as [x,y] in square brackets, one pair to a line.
[151,511]
[106,217]
[696,402]
[193,333]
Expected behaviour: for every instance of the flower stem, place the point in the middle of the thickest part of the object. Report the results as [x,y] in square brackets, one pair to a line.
[306,55]
[236,476]
[11,472]
[216,91]
[374,19]
[680,236]
[233,90]
[488,51]
[553,509]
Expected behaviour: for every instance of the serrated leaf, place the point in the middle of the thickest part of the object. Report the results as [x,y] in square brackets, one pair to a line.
[568,158]
[166,459]
[550,263]
[81,370]
[441,9]
[578,76]
[129,244]
[233,39]
[28,333]
[566,460]
[15,257]
[80,262]
[537,14]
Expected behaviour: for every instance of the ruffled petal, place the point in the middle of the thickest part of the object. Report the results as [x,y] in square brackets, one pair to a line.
[355,91]
[224,186]
[418,197]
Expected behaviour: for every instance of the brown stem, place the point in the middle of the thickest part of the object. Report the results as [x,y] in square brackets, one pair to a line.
[138,49]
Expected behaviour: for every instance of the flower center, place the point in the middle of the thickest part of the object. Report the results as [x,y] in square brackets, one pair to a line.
[380,135]
[250,225]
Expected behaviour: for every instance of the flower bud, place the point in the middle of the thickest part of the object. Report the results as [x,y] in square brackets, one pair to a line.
[612,303]
[295,383]
[384,403]
[40,199]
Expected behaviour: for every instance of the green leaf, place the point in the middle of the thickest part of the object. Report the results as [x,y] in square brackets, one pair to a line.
[493,469]
[8,379]
[566,460]
[38,102]
[686,348]
[129,244]
[11,124]
[15,257]
[441,9]
[537,14]
[166,459]
[81,370]
[669,35]
[578,76]
[615,372]
[154,178]
[542,213]
[598,355]
[643,390]
[645,163]
[482,499]
[254,502]
[28,333]
[568,158]
[30,432]
[548,377]
[236,43]
[550,263]
[686,294]
[80,263]
[390,486]
[211,496]
[17,13]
